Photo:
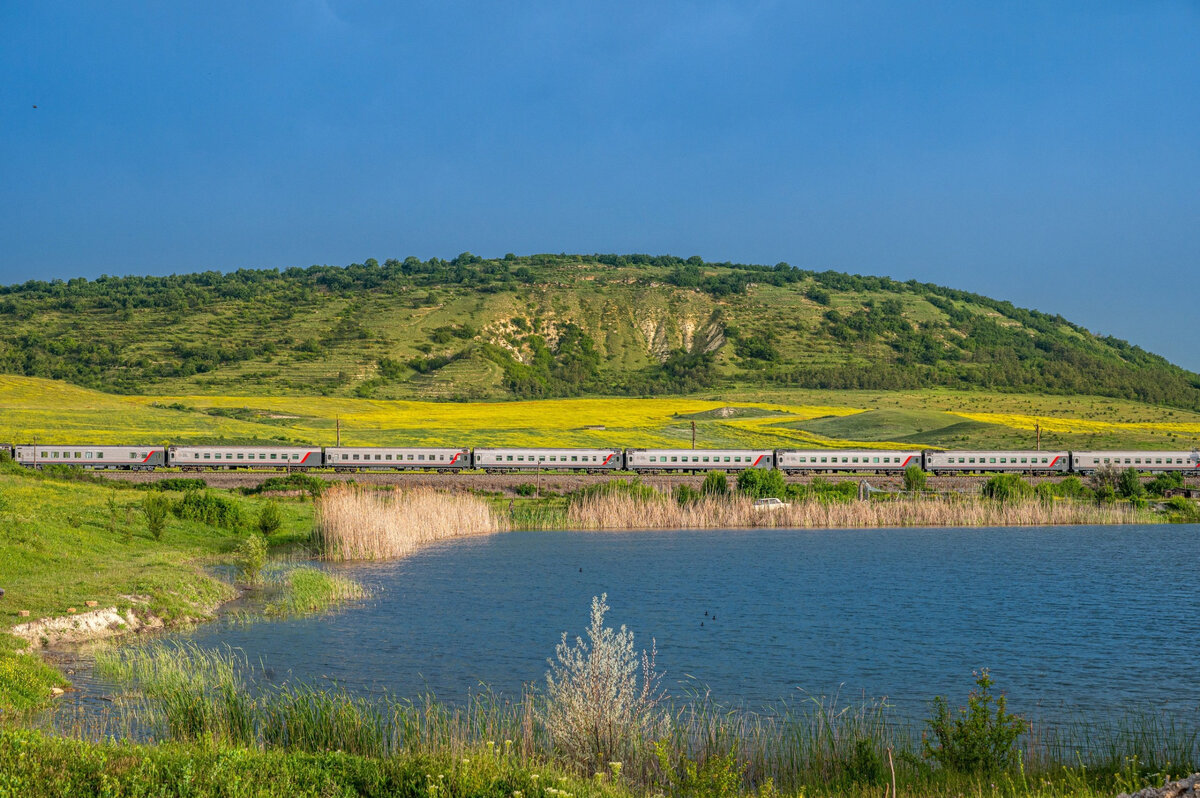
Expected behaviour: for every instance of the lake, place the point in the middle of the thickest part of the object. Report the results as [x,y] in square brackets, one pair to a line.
[1070,618]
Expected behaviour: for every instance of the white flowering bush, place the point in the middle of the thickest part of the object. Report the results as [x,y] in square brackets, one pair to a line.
[604,702]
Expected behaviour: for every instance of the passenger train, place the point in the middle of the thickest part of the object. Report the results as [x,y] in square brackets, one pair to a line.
[517,459]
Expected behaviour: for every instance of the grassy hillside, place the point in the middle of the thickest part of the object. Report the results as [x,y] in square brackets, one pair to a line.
[49,411]
[554,326]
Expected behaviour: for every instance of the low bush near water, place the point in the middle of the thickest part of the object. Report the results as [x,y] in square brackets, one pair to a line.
[209,508]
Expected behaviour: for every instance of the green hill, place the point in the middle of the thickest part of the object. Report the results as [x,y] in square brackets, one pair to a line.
[554,325]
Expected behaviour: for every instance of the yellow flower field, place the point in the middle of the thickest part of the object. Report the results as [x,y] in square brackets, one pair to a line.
[42,410]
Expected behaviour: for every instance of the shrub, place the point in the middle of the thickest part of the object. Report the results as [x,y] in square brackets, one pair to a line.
[180,484]
[1072,488]
[758,483]
[252,555]
[525,489]
[597,710]
[209,508]
[686,494]
[269,519]
[1164,482]
[1129,484]
[155,507]
[1007,488]
[914,479]
[981,739]
[716,483]
[313,485]
[616,487]
[1186,509]
[717,776]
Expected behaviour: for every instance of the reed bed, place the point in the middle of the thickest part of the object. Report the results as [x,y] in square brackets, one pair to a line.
[354,523]
[618,511]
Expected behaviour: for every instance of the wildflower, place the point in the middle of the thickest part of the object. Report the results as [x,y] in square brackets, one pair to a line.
[534,776]
[466,761]
[615,767]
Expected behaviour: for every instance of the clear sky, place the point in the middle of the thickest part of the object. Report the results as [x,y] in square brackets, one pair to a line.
[1042,152]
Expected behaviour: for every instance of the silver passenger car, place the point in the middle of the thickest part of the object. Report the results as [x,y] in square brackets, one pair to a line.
[698,459]
[124,457]
[194,457]
[1028,461]
[1087,462]
[401,457]
[561,459]
[796,461]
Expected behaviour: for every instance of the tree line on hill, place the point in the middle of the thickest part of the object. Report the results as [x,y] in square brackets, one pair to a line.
[975,341]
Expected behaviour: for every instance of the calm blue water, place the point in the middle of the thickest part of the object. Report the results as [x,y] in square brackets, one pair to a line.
[1102,618]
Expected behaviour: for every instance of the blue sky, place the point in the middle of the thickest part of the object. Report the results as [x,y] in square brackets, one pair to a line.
[1045,153]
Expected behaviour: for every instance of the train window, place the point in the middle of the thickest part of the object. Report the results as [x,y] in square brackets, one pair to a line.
[378,457]
[542,458]
[356,457]
[674,459]
[824,460]
[726,459]
[89,455]
[56,454]
[972,459]
[241,456]
[1157,460]
[78,455]
[874,459]
[387,457]
[991,459]
[207,456]
[575,459]
[1126,461]
[706,459]
[420,457]
[132,455]
[1137,460]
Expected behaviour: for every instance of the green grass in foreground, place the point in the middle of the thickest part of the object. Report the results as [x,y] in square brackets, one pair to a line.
[34,765]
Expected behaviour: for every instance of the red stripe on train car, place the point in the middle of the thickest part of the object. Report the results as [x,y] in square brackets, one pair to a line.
[606,459]
[907,461]
[1055,460]
[150,455]
[454,459]
[305,457]
[759,460]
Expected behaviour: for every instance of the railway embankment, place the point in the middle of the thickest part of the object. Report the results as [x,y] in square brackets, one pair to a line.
[519,484]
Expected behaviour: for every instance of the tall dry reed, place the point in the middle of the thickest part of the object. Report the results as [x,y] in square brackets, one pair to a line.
[354,523]
[616,511]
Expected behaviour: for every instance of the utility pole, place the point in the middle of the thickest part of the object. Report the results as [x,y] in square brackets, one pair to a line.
[1038,429]
[693,434]
[338,420]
